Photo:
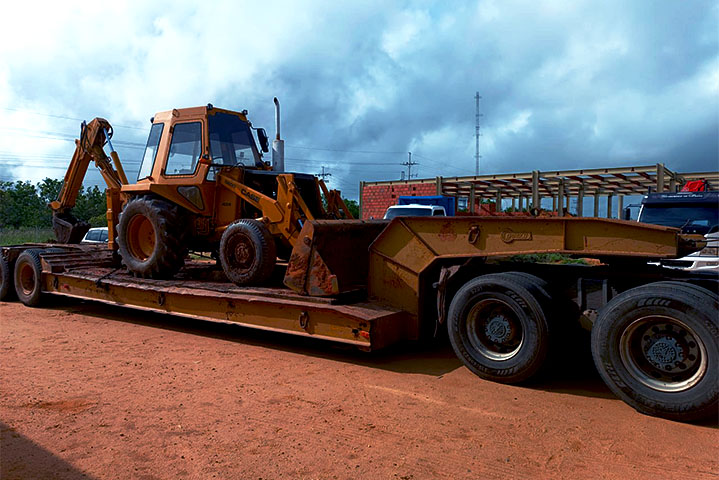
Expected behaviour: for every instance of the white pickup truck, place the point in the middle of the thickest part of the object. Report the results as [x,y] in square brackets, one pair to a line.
[414,210]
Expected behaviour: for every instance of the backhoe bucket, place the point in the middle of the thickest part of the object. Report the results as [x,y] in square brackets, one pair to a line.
[67,228]
[332,256]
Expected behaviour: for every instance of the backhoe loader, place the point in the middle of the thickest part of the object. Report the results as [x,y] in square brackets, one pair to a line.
[203,186]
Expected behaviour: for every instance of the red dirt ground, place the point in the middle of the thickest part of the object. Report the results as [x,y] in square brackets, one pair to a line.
[92,391]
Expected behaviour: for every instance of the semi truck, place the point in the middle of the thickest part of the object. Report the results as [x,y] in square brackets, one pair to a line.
[373,284]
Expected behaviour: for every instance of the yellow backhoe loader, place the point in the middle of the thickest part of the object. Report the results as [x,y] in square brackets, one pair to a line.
[202,185]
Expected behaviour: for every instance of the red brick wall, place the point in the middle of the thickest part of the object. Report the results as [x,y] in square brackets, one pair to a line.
[376,199]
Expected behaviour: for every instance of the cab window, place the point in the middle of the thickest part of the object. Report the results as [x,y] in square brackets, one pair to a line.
[185,149]
[148,160]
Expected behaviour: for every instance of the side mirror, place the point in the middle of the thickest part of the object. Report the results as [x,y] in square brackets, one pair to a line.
[264,140]
[627,214]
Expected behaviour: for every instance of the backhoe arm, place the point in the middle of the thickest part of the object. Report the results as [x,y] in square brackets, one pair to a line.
[93,136]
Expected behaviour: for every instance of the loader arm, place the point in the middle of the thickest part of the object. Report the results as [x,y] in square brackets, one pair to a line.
[89,147]
[282,216]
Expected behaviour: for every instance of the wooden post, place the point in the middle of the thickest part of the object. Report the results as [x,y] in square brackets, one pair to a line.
[499,200]
[660,177]
[554,203]
[514,204]
[439,185]
[609,205]
[580,200]
[471,199]
[620,206]
[560,198]
[535,189]
[596,203]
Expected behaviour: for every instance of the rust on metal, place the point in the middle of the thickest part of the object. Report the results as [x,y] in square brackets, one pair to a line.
[365,325]
[332,257]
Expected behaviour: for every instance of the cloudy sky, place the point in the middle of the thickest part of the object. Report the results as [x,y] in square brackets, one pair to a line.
[563,84]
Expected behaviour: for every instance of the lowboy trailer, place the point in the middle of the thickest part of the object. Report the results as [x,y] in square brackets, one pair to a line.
[654,331]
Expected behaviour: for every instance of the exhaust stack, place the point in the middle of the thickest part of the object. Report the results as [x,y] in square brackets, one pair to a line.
[278,145]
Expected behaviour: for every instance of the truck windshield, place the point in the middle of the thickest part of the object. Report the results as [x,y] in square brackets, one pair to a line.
[408,212]
[231,141]
[690,218]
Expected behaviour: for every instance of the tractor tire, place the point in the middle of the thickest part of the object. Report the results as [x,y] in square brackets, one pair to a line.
[151,238]
[28,277]
[247,252]
[498,327]
[7,292]
[656,348]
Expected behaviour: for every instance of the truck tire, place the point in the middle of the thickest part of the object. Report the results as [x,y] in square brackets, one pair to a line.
[7,291]
[151,238]
[497,326]
[28,277]
[656,348]
[247,252]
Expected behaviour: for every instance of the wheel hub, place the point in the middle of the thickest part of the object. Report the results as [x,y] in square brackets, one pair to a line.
[498,329]
[242,253]
[665,353]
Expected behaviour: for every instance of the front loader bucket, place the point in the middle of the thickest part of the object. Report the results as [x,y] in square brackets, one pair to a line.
[67,228]
[332,256]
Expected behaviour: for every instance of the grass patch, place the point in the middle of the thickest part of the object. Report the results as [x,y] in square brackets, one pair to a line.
[15,236]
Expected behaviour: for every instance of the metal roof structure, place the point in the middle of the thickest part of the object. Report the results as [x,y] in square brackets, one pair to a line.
[530,187]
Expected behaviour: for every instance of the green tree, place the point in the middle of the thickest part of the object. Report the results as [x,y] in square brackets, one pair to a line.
[91,206]
[23,204]
[20,206]
[353,207]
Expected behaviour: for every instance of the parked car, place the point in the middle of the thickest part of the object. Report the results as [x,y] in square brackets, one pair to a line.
[95,235]
[414,210]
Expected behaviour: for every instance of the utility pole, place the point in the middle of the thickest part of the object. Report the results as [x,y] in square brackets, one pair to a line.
[324,174]
[477,134]
[409,163]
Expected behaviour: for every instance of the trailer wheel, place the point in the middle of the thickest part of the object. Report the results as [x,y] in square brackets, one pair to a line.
[656,348]
[150,238]
[28,277]
[6,283]
[247,252]
[498,328]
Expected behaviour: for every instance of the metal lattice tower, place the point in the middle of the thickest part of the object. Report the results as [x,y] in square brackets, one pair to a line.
[477,133]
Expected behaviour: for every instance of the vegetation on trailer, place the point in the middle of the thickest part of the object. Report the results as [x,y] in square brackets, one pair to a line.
[552,258]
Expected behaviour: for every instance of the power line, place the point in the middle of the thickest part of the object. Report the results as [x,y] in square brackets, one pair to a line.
[409,164]
[311,160]
[344,151]
[324,174]
[65,117]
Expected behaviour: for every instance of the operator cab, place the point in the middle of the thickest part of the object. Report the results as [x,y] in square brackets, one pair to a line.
[198,141]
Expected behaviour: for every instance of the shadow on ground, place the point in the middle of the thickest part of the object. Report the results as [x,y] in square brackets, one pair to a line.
[22,459]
